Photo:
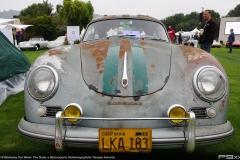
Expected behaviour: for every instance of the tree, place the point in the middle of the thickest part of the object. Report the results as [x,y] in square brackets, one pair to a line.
[173,20]
[75,13]
[36,10]
[234,12]
[46,26]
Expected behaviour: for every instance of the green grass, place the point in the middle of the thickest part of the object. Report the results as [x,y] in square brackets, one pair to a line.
[12,110]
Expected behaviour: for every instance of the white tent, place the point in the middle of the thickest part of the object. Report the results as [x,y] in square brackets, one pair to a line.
[195,30]
[10,26]
[5,21]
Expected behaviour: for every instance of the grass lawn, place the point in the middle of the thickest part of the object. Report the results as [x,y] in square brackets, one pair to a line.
[12,110]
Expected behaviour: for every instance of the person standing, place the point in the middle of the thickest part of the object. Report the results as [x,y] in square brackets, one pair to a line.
[180,38]
[209,29]
[231,39]
[171,33]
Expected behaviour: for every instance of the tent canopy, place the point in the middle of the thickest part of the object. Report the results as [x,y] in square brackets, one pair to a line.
[10,26]
[5,21]
[12,60]
[195,30]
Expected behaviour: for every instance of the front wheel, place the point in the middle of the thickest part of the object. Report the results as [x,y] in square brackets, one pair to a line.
[36,47]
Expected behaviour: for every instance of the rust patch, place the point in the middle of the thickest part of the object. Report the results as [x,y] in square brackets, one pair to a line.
[98,50]
[101,71]
[126,16]
[142,42]
[125,46]
[98,65]
[146,17]
[99,59]
[54,52]
[153,65]
[221,107]
[111,82]
[192,53]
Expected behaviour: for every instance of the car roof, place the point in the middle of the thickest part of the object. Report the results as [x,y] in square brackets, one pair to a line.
[145,17]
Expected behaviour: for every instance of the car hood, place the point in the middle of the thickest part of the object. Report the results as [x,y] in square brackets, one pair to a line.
[148,66]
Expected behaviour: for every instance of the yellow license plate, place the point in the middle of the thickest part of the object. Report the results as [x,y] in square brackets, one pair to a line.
[125,140]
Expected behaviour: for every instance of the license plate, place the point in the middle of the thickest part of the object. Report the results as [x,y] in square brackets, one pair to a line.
[125,140]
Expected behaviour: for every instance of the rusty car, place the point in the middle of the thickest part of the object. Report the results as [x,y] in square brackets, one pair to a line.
[126,88]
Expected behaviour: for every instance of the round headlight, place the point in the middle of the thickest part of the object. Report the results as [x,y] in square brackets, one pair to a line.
[176,111]
[42,83]
[73,110]
[209,83]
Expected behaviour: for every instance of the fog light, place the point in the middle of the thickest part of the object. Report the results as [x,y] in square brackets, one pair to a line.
[41,111]
[73,110]
[211,112]
[176,111]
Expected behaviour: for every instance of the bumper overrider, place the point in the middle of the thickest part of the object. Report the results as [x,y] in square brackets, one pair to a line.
[188,136]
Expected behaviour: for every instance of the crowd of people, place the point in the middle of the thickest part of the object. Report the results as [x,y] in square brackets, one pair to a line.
[18,36]
[206,36]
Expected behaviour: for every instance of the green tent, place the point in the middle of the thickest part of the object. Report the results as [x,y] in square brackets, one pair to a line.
[12,60]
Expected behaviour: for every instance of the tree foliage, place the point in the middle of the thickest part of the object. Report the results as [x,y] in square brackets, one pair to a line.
[75,13]
[36,10]
[234,12]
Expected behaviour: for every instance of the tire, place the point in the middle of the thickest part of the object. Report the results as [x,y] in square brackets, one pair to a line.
[36,47]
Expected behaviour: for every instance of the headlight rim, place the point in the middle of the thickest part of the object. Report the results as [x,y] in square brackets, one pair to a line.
[174,106]
[197,90]
[80,109]
[55,88]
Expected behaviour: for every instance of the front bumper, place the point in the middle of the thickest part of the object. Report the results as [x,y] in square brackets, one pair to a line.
[176,137]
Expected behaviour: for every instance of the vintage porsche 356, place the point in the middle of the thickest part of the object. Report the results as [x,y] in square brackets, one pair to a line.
[126,88]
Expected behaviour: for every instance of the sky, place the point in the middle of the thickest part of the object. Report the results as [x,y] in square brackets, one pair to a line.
[156,8]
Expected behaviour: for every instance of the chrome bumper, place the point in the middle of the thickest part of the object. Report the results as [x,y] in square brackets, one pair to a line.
[190,137]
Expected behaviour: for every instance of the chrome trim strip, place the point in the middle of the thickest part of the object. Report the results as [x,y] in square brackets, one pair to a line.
[125,78]
[191,133]
[124,119]
[58,132]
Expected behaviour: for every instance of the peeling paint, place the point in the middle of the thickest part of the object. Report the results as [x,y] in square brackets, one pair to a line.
[98,50]
[54,60]
[53,52]
[153,65]
[125,46]
[111,82]
[192,54]
[101,71]
[222,104]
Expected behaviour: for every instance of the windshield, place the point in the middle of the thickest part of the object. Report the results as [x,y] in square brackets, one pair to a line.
[35,39]
[125,27]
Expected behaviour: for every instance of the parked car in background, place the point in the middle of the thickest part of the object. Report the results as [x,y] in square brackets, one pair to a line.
[56,43]
[126,88]
[35,43]
[216,44]
[236,43]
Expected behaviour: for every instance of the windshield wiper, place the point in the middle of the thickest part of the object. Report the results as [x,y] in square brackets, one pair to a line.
[152,38]
[120,35]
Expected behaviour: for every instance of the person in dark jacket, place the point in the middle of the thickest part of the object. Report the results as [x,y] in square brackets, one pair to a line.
[231,39]
[209,29]
[180,38]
